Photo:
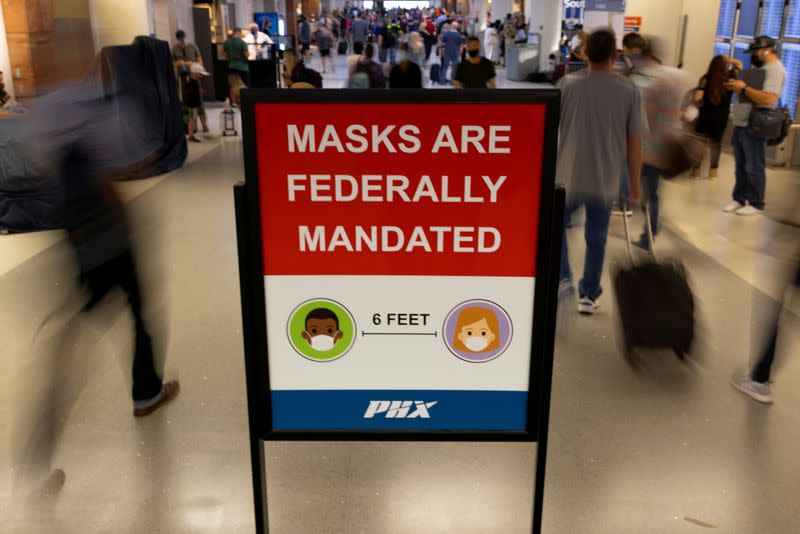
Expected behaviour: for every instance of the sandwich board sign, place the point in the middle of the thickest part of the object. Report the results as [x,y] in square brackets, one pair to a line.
[398,255]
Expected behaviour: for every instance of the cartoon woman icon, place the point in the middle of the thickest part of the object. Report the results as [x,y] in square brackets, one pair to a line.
[477,330]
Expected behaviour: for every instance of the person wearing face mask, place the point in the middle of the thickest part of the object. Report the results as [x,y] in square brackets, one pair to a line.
[476,72]
[759,86]
[322,329]
[406,74]
[477,330]
[256,39]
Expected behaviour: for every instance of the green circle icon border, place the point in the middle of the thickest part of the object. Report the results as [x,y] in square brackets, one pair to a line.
[296,320]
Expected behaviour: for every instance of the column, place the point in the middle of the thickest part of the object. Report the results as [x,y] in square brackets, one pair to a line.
[118,22]
[30,33]
[310,7]
[545,19]
[5,62]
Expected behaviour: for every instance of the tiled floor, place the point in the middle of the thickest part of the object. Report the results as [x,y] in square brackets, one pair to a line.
[656,452]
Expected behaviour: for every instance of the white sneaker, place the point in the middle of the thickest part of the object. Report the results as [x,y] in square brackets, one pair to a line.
[733,206]
[748,210]
[751,388]
[587,306]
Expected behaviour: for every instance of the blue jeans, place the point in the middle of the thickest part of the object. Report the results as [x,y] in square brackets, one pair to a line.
[449,61]
[392,56]
[596,233]
[651,177]
[751,178]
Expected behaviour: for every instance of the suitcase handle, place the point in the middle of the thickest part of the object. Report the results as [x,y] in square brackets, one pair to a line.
[650,238]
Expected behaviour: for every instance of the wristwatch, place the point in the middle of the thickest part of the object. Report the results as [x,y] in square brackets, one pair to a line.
[743,89]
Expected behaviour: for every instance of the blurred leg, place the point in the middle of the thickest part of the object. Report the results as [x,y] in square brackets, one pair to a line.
[146,382]
[566,272]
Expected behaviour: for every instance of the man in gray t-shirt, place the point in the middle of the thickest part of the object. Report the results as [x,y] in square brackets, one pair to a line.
[759,86]
[358,29]
[600,133]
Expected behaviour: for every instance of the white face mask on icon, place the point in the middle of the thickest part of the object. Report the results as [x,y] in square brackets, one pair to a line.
[477,344]
[322,343]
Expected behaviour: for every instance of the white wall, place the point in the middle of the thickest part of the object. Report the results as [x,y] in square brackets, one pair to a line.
[5,63]
[700,37]
[118,22]
[663,19]
[184,20]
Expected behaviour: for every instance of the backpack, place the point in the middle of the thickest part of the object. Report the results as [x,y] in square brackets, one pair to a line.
[360,79]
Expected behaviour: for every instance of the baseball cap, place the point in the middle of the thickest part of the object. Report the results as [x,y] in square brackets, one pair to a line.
[197,68]
[761,42]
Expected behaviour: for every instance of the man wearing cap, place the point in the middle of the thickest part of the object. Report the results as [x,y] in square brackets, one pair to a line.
[184,55]
[759,86]
[193,99]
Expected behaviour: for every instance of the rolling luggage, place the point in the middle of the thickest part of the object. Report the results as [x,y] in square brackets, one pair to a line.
[435,73]
[655,303]
[342,50]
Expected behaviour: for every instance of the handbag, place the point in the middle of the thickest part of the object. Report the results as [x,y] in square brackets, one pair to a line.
[770,124]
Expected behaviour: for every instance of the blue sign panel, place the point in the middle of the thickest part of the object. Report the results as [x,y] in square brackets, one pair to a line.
[573,9]
[617,6]
[748,14]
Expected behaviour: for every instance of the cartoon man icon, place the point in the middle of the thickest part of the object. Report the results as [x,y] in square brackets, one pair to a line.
[322,329]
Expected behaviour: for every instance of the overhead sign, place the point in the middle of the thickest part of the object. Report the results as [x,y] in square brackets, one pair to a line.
[573,9]
[400,260]
[615,6]
[632,24]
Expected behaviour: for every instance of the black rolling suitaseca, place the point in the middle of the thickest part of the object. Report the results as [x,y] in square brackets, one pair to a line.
[655,303]
[342,50]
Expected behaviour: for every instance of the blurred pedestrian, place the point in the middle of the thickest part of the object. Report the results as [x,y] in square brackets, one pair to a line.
[491,43]
[184,55]
[325,44]
[601,131]
[759,87]
[257,42]
[86,149]
[756,383]
[452,43]
[304,36]
[476,72]
[406,74]
[235,50]
[8,106]
[713,101]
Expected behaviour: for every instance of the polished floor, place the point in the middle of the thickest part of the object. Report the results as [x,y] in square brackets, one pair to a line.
[669,450]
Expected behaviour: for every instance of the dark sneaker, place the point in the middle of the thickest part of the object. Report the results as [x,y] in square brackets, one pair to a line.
[168,392]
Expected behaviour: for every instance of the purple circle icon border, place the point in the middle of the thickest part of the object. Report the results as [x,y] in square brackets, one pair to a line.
[506,331]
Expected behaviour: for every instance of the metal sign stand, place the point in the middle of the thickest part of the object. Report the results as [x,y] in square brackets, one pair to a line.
[248,230]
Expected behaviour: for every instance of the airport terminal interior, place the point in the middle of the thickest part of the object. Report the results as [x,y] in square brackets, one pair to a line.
[667,446]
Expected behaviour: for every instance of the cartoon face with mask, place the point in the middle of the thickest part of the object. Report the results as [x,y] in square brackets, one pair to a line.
[322,329]
[477,330]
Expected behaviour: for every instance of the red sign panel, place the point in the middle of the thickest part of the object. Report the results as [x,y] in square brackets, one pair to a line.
[400,189]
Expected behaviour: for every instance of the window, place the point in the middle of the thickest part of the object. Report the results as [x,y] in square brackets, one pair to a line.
[748,14]
[790,55]
[793,20]
[722,48]
[771,18]
[740,53]
[727,17]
